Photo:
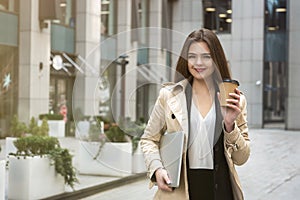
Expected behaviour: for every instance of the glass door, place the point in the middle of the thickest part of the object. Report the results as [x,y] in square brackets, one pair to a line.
[60,101]
[275,63]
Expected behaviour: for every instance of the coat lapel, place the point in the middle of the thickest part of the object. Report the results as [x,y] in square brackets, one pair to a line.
[219,118]
[178,105]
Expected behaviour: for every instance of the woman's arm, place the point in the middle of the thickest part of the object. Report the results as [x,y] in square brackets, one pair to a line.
[237,140]
[150,139]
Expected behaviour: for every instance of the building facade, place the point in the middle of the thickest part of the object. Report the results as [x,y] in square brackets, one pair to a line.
[109,57]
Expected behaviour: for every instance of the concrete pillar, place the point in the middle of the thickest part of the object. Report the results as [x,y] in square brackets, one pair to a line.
[187,17]
[244,51]
[293,106]
[125,95]
[87,41]
[34,57]
[157,55]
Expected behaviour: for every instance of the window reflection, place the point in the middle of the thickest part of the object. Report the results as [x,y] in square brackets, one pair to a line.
[141,16]
[65,10]
[217,15]
[275,61]
[275,15]
[9,5]
[8,87]
[107,17]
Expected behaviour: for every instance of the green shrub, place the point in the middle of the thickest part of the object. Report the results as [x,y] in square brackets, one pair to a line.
[17,128]
[51,116]
[134,129]
[34,129]
[115,134]
[94,132]
[105,120]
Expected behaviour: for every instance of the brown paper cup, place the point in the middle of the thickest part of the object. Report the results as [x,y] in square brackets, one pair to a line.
[226,87]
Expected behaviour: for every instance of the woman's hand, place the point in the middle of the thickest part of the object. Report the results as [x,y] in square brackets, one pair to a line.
[163,180]
[231,111]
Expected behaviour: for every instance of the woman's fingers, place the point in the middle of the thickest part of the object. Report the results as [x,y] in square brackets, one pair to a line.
[233,102]
[235,98]
[163,180]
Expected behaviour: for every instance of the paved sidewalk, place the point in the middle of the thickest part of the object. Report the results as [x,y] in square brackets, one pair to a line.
[271,173]
[273,169]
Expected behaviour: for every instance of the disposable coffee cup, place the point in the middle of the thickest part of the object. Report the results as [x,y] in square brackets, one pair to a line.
[226,87]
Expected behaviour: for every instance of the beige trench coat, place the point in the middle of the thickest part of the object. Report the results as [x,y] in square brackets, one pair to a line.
[172,101]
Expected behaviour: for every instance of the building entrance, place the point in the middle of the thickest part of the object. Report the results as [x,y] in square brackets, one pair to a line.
[275,62]
[60,102]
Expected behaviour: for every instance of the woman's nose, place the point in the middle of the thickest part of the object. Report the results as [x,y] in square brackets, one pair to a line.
[198,60]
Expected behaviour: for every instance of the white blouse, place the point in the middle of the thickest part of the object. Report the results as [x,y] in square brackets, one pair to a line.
[201,138]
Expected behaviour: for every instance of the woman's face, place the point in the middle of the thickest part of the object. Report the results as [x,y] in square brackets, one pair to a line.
[200,63]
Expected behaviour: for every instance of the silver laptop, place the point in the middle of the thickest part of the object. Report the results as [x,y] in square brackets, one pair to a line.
[171,150]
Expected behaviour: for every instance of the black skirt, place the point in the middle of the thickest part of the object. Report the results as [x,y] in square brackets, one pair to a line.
[201,184]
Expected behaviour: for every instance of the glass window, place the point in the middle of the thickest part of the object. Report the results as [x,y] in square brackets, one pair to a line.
[140,16]
[275,15]
[65,10]
[143,12]
[9,5]
[8,87]
[217,15]
[107,17]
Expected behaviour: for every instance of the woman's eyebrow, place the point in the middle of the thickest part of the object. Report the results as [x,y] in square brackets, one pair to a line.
[199,54]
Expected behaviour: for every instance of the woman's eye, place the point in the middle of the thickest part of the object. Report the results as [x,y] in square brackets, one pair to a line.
[207,57]
[191,57]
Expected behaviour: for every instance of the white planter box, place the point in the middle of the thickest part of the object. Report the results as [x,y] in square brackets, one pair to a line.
[33,178]
[138,162]
[2,179]
[115,159]
[9,145]
[56,127]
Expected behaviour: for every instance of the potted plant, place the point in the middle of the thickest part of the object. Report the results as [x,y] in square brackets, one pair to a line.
[56,124]
[83,124]
[39,161]
[2,178]
[105,121]
[109,153]
[19,129]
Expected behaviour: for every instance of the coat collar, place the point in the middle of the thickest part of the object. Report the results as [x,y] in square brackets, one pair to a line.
[178,87]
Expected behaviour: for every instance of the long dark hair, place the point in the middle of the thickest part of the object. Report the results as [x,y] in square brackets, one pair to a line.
[216,51]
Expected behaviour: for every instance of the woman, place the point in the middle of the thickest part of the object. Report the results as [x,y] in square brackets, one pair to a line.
[216,138]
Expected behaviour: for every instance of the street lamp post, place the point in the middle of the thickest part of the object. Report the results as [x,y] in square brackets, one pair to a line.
[123,62]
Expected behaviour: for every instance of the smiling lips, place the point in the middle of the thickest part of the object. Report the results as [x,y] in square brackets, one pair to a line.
[200,69]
